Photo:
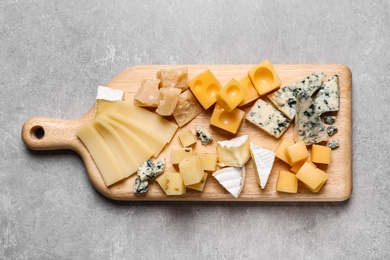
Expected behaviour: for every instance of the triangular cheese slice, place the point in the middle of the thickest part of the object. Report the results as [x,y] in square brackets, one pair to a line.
[263,160]
[232,179]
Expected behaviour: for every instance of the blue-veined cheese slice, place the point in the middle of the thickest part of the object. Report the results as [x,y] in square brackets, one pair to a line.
[263,160]
[232,179]
[328,97]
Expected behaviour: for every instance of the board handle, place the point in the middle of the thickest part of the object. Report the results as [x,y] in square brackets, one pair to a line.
[41,133]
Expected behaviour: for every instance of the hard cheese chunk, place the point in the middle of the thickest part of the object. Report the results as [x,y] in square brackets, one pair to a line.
[285,99]
[208,161]
[234,152]
[320,154]
[263,161]
[232,179]
[187,138]
[324,177]
[295,168]
[169,97]
[231,95]
[281,151]
[205,88]
[310,176]
[191,170]
[287,182]
[173,78]
[308,124]
[173,183]
[297,152]
[179,154]
[252,93]
[229,121]
[187,108]
[101,153]
[328,97]
[264,78]
[200,185]
[264,116]
[148,94]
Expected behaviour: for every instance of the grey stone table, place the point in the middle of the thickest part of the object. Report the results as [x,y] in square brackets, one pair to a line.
[53,55]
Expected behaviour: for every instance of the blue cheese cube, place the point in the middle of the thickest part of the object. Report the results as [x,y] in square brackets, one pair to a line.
[264,116]
[328,97]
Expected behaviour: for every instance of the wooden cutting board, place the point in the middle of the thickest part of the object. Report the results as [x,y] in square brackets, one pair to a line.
[51,134]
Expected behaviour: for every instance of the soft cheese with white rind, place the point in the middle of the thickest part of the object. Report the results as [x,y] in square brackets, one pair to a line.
[285,99]
[267,118]
[232,179]
[233,152]
[308,125]
[328,97]
[263,161]
[106,98]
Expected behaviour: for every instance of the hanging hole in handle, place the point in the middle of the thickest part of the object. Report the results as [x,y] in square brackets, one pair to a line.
[37,132]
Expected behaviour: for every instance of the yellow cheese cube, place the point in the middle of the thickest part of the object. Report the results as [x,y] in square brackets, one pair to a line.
[199,186]
[169,97]
[191,170]
[325,177]
[309,175]
[148,94]
[264,78]
[187,138]
[208,161]
[287,182]
[173,78]
[252,93]
[205,88]
[229,121]
[281,152]
[179,154]
[320,154]
[187,108]
[297,152]
[231,95]
[174,183]
[295,168]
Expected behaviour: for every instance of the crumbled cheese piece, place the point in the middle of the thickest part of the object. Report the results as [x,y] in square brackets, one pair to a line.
[329,120]
[204,135]
[333,144]
[331,130]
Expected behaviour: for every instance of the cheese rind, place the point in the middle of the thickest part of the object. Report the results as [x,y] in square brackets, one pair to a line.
[234,152]
[232,179]
[263,161]
[106,99]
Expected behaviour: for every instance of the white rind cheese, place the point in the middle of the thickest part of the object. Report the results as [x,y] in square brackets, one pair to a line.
[328,97]
[263,160]
[109,94]
[233,152]
[264,116]
[285,99]
[308,124]
[232,179]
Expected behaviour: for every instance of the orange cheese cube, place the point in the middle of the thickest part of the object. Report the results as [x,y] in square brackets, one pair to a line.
[205,88]
[297,152]
[252,93]
[264,78]
[320,154]
[295,168]
[229,121]
[309,175]
[281,152]
[287,182]
[187,138]
[325,176]
[231,95]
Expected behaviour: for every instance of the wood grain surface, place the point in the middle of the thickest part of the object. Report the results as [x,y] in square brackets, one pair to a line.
[51,134]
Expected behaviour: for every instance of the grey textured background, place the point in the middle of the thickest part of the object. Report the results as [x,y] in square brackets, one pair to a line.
[53,54]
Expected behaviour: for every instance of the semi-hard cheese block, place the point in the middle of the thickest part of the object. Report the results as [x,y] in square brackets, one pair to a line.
[205,88]
[200,185]
[209,161]
[101,153]
[191,170]
[169,97]
[252,93]
[231,95]
[295,168]
[232,179]
[234,152]
[287,182]
[308,125]
[281,151]
[187,138]
[285,99]
[179,154]
[187,108]
[324,176]
[174,183]
[173,78]
[320,154]
[263,160]
[328,97]
[264,78]
[297,152]
[310,176]
[148,94]
[106,98]
[228,121]
[267,118]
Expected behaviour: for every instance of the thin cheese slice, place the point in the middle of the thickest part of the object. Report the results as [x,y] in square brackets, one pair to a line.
[135,145]
[125,158]
[106,99]
[101,153]
[159,125]
[155,142]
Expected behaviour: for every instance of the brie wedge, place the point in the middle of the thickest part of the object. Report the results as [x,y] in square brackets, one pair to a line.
[232,179]
[263,160]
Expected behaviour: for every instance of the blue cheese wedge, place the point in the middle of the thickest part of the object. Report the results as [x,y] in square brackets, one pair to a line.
[232,179]
[149,170]
[263,160]
[328,97]
[285,99]
[308,124]
[233,152]
[267,118]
